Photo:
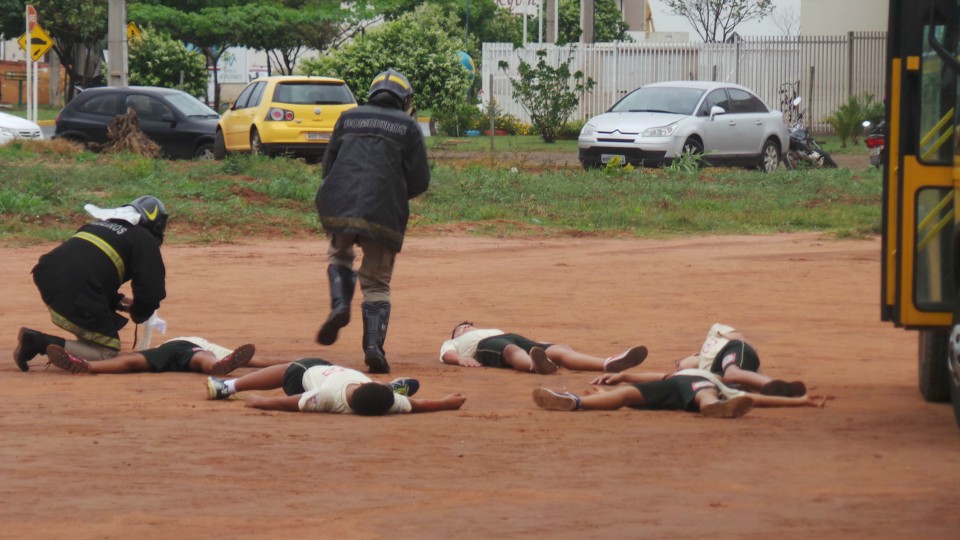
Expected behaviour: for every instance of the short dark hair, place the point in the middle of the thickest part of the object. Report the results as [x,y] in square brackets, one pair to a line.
[372,399]
[454,333]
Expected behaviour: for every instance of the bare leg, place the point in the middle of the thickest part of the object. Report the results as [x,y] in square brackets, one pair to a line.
[615,398]
[712,407]
[519,360]
[267,378]
[122,363]
[747,379]
[569,358]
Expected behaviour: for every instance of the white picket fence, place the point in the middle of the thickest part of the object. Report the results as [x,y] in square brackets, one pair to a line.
[825,70]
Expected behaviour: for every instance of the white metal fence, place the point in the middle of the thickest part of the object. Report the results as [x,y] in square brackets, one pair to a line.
[825,70]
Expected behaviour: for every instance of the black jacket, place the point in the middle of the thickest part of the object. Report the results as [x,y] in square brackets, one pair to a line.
[79,280]
[376,161]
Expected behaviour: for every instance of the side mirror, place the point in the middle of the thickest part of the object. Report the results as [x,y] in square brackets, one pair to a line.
[715,110]
[796,101]
[168,118]
[224,107]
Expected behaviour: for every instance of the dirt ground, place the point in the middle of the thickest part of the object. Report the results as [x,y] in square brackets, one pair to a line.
[146,456]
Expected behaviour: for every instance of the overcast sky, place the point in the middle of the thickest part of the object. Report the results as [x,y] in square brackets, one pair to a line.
[664,21]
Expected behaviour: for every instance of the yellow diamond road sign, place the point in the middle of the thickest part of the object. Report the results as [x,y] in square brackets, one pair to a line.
[40,43]
[133,31]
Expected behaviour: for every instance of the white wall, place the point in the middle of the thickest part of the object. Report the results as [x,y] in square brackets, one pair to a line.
[835,17]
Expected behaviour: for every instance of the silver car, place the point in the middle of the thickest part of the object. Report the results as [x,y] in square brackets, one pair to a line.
[13,128]
[657,123]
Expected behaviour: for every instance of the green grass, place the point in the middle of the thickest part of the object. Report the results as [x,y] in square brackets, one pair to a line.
[504,143]
[46,185]
[44,112]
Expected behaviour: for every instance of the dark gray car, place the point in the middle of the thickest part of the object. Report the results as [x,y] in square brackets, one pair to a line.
[179,123]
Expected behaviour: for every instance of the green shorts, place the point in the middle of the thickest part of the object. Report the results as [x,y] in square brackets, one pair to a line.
[490,350]
[738,353]
[172,356]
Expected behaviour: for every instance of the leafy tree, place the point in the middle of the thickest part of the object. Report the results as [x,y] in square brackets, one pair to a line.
[608,22]
[715,20]
[155,59]
[546,93]
[418,44]
[848,118]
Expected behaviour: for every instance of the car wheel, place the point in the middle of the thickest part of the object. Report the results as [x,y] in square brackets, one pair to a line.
[219,146]
[256,145]
[770,156]
[933,374]
[692,146]
[204,153]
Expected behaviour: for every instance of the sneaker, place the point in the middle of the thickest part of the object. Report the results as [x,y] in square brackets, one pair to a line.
[240,357]
[404,387]
[64,360]
[542,364]
[778,387]
[217,389]
[625,360]
[729,408]
[555,401]
[27,347]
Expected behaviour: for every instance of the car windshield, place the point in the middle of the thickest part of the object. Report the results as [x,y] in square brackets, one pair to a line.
[313,93]
[660,99]
[191,106]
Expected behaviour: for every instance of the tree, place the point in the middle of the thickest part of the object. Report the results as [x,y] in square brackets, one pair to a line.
[546,93]
[155,59]
[787,21]
[715,20]
[608,22]
[418,44]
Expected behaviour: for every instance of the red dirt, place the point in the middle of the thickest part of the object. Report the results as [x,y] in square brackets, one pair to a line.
[146,456]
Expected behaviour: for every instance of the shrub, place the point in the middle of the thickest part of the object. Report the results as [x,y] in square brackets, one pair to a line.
[848,119]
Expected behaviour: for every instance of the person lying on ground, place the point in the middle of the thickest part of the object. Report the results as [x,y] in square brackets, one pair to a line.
[470,346]
[316,385]
[691,390]
[178,354]
[727,353]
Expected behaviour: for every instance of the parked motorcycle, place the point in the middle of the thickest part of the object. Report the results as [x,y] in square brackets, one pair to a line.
[804,149]
[876,141]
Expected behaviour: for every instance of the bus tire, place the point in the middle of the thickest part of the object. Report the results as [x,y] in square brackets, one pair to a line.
[932,356]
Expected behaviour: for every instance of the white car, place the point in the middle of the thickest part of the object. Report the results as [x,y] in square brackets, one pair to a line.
[658,123]
[13,128]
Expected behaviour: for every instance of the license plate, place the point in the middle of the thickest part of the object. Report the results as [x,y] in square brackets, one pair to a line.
[876,151]
[606,158]
[318,136]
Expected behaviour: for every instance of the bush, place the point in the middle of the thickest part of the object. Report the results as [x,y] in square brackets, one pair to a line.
[848,119]
[571,130]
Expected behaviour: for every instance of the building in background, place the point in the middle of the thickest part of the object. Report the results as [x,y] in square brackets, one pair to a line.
[833,17]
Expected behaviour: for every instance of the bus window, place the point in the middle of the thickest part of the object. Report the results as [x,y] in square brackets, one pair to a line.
[934,273]
[938,88]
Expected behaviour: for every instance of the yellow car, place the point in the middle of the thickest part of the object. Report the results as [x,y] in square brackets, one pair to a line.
[285,114]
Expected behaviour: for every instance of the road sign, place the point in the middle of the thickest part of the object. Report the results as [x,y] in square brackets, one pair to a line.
[15,75]
[31,17]
[40,43]
[132,30]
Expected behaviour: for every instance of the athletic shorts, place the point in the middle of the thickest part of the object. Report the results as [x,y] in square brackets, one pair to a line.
[172,355]
[490,350]
[674,394]
[738,353]
[293,376]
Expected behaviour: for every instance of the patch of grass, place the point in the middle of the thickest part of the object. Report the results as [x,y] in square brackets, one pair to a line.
[46,185]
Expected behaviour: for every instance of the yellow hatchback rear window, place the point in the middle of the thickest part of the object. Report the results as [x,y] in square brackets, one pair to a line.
[312,93]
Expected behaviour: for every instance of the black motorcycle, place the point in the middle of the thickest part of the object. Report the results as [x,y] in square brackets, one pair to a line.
[804,149]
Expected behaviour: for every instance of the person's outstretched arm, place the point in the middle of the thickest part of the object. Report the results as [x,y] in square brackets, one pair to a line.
[273,403]
[452,357]
[451,402]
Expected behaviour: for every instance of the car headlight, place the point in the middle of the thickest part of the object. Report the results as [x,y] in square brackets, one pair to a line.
[662,131]
[588,130]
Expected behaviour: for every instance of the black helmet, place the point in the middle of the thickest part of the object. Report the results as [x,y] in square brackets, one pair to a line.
[394,82]
[153,215]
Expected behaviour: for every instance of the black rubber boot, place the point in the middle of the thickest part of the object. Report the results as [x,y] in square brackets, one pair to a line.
[376,317]
[342,283]
[30,343]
